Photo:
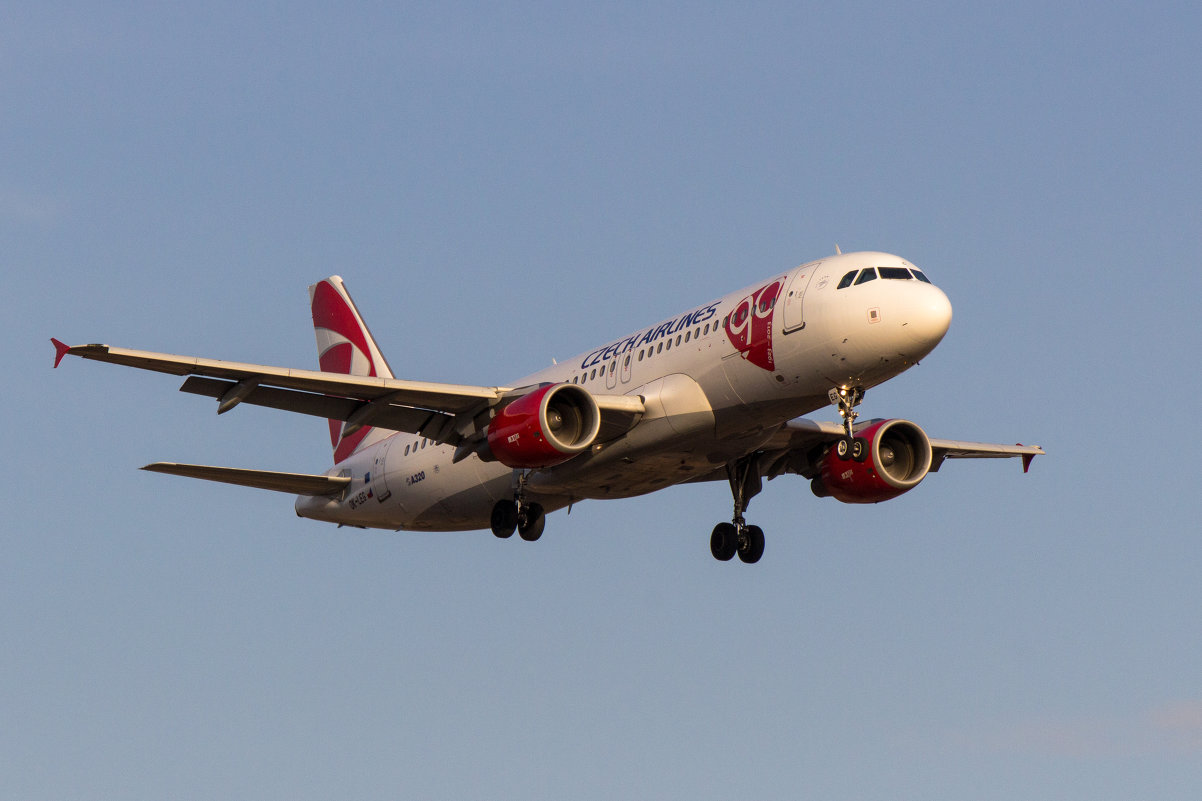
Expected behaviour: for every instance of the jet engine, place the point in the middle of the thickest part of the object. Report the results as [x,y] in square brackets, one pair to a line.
[544,427]
[884,460]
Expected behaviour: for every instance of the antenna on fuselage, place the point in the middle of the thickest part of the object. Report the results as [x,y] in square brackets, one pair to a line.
[837,251]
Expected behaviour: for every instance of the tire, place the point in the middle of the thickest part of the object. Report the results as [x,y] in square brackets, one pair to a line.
[753,549]
[504,519]
[843,448]
[724,541]
[531,528]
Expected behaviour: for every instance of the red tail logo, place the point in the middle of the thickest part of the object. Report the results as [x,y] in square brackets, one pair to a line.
[342,348]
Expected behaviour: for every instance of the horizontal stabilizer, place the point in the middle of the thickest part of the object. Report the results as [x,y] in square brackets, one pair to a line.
[294,483]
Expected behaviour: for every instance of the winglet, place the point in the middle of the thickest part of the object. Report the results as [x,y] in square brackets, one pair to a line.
[1027,459]
[60,350]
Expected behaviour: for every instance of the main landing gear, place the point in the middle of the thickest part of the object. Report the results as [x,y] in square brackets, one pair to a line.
[736,536]
[524,516]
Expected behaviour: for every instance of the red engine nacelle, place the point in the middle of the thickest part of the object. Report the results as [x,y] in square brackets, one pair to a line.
[885,459]
[545,427]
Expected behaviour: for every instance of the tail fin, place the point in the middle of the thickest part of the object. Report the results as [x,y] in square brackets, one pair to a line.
[345,345]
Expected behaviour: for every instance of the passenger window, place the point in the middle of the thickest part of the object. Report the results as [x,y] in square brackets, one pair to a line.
[898,273]
[612,366]
[866,275]
[627,363]
[593,374]
[678,339]
[919,275]
[406,450]
[659,348]
[687,334]
[846,280]
[669,344]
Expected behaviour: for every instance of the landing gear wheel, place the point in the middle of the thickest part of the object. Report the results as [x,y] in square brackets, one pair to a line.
[751,545]
[504,519]
[531,521]
[843,448]
[724,541]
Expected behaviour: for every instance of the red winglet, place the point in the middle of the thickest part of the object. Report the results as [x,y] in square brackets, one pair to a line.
[1027,459]
[60,350]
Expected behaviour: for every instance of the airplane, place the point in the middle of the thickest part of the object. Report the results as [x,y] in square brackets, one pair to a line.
[716,393]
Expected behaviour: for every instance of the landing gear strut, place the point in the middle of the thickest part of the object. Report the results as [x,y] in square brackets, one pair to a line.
[847,399]
[525,516]
[736,536]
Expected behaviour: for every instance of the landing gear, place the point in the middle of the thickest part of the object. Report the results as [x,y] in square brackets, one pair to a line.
[504,519]
[530,521]
[751,546]
[849,446]
[736,536]
[525,517]
[724,542]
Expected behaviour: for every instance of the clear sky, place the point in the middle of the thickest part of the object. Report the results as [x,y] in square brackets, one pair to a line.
[503,184]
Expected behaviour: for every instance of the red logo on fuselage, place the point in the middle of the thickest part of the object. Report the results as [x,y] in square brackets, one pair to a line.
[749,326]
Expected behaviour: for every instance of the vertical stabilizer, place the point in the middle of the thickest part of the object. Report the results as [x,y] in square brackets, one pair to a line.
[345,345]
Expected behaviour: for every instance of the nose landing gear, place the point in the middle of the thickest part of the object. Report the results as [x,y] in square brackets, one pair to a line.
[847,399]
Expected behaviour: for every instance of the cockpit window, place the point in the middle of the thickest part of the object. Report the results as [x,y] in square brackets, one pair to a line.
[895,272]
[918,274]
[866,275]
[846,280]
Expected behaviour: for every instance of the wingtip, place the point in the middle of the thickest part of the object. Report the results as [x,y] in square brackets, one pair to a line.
[1027,459]
[61,349]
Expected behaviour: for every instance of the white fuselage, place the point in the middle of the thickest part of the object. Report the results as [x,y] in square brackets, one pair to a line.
[717,381]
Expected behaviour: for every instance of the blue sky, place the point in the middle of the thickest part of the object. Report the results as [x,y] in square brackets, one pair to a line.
[501,185]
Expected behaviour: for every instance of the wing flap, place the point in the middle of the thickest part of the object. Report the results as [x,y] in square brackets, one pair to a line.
[293,483]
[383,413]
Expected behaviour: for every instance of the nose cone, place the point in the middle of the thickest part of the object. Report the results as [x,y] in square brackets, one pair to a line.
[929,315]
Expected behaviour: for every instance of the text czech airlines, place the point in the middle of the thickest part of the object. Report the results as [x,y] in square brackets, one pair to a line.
[650,335]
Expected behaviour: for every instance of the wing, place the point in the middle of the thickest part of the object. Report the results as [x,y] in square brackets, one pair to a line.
[796,441]
[293,483]
[454,414]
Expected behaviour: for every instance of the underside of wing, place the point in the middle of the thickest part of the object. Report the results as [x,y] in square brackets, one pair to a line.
[453,414]
[953,449]
[798,442]
[293,483]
